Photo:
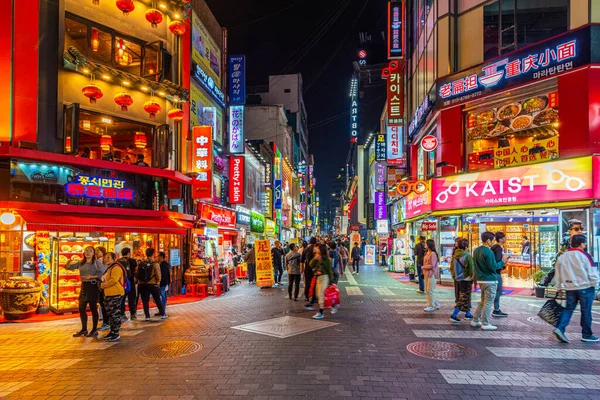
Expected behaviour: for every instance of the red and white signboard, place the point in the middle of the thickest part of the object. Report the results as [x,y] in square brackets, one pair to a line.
[236,179]
[362,54]
[429,143]
[202,161]
[224,217]
[429,226]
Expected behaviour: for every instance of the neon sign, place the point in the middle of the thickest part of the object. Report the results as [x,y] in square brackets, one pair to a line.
[94,187]
[550,58]
[354,107]
[209,84]
[395,29]
[236,129]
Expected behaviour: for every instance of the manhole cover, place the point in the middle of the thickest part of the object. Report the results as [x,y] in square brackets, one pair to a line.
[441,351]
[178,348]
[537,320]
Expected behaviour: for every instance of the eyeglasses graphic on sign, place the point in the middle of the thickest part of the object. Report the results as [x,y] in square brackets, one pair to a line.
[403,188]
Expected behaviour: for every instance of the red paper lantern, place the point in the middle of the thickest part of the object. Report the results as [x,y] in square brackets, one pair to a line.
[176,114]
[124,100]
[92,92]
[152,108]
[140,140]
[177,27]
[154,16]
[106,142]
[126,6]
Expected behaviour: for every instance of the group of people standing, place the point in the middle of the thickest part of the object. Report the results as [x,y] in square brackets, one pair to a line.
[111,281]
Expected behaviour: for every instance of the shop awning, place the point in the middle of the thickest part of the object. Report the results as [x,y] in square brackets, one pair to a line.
[533,206]
[47,221]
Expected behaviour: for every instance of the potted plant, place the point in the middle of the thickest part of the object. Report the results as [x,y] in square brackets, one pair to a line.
[540,291]
[411,272]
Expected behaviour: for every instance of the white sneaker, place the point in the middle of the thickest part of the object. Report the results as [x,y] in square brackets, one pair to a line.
[318,316]
[429,309]
[334,310]
[476,324]
[489,327]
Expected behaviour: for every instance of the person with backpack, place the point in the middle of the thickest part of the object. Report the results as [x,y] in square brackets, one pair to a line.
[462,268]
[148,276]
[130,266]
[165,278]
[113,284]
[336,261]
[294,269]
[498,250]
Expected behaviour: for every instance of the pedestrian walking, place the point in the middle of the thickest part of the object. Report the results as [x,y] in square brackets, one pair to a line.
[577,275]
[277,258]
[452,272]
[130,266]
[575,228]
[148,275]
[90,271]
[307,256]
[113,285]
[100,253]
[250,261]
[487,277]
[343,251]
[383,250]
[356,256]
[294,270]
[165,279]
[462,268]
[419,252]
[498,249]
[336,261]
[431,273]
[321,266]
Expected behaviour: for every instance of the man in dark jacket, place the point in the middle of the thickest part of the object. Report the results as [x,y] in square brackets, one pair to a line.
[277,255]
[355,254]
[419,252]
[165,278]
[250,261]
[130,265]
[498,250]
[307,255]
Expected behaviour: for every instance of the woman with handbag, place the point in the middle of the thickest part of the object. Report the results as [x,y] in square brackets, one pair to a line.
[431,272]
[462,268]
[90,270]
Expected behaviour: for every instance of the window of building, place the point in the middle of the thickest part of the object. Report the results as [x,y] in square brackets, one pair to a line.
[287,91]
[509,25]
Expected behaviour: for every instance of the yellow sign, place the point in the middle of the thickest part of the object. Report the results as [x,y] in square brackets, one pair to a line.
[264,266]
[526,153]
[204,112]
[372,159]
[269,226]
[205,51]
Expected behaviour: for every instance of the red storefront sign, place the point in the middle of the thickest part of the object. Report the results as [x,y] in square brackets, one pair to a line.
[395,93]
[202,162]
[236,179]
[429,226]
[429,143]
[222,216]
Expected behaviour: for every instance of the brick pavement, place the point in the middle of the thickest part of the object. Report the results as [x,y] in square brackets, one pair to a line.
[363,356]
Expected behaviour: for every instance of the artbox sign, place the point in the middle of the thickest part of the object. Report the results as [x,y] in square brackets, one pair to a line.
[221,216]
[202,161]
[380,206]
[236,179]
[237,79]
[236,129]
[564,180]
[354,108]
[549,58]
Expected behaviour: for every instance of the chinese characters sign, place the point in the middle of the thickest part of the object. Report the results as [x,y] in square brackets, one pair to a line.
[395,29]
[395,93]
[395,146]
[99,188]
[380,207]
[202,162]
[221,216]
[236,179]
[236,129]
[380,149]
[549,58]
[237,79]
[264,266]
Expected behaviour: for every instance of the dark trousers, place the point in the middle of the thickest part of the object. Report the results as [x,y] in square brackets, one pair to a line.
[132,302]
[150,290]
[383,261]
[355,265]
[585,297]
[421,279]
[251,273]
[278,273]
[307,281]
[103,308]
[294,279]
[83,314]
[456,291]
[498,293]
[336,277]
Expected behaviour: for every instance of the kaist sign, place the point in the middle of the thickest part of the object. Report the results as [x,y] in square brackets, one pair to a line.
[93,187]
[552,57]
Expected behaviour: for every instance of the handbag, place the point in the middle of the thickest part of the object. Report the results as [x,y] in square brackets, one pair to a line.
[550,311]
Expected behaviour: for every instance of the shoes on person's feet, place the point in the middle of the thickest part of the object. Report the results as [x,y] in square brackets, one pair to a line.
[93,333]
[109,336]
[148,319]
[468,317]
[80,333]
[309,307]
[296,299]
[560,336]
[499,314]
[488,327]
[438,305]
[420,291]
[104,327]
[115,338]
[476,324]
[318,316]
[590,338]
[334,309]
[429,309]
[164,316]
[454,320]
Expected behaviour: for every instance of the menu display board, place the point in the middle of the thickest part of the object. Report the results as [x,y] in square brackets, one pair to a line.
[264,266]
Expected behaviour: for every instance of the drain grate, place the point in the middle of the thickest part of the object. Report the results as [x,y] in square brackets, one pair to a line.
[174,349]
[445,351]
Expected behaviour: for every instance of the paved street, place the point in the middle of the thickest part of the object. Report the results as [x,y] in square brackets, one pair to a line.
[365,351]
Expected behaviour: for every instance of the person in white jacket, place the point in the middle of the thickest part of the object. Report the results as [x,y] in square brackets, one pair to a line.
[577,275]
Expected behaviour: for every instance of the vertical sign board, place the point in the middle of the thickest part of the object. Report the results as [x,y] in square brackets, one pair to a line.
[264,266]
[380,206]
[395,93]
[236,129]
[371,216]
[354,109]
[380,176]
[395,29]
[202,162]
[236,179]
[237,80]
[268,210]
[277,201]
[395,146]
[370,254]
[380,147]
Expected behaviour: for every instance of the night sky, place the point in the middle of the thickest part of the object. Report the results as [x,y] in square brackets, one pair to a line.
[276,36]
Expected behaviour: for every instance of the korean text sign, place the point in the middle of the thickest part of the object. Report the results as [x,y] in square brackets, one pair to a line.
[395,94]
[202,162]
[236,129]
[395,145]
[264,264]
[380,147]
[93,187]
[237,179]
[205,51]
[564,180]
[237,79]
[395,29]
